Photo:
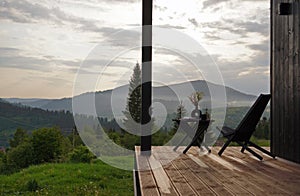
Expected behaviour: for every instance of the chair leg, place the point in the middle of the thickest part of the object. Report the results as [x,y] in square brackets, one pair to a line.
[207,148]
[243,148]
[194,140]
[251,151]
[254,153]
[261,149]
[224,147]
[189,132]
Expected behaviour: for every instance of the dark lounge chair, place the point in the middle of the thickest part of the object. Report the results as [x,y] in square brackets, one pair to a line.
[245,129]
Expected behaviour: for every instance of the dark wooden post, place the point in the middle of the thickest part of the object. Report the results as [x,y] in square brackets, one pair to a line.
[146,75]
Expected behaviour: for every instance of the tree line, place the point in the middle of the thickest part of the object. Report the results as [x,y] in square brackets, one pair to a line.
[44,145]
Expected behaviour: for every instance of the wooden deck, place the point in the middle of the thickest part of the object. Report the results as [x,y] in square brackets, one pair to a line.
[234,173]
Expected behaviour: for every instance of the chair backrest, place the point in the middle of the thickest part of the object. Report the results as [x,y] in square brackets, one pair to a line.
[247,126]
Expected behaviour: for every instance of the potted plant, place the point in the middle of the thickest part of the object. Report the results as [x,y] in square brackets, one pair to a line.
[195,99]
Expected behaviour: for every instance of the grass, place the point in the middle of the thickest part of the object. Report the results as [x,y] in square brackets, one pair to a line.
[260,142]
[96,178]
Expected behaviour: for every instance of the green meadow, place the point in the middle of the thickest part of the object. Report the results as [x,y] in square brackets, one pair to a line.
[96,178]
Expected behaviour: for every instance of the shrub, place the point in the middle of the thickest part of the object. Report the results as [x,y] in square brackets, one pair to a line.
[7,168]
[21,156]
[2,154]
[20,136]
[81,154]
[66,148]
[32,185]
[47,144]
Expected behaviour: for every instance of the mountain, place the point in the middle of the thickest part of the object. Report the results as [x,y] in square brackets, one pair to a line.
[35,103]
[13,116]
[165,98]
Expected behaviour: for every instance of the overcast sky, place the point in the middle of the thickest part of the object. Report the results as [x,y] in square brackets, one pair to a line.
[44,42]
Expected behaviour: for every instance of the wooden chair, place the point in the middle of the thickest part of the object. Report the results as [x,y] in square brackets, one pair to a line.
[200,126]
[245,129]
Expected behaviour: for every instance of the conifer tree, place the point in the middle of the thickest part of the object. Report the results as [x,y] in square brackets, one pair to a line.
[180,113]
[134,101]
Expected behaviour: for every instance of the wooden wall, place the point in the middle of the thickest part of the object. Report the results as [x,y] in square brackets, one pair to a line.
[285,82]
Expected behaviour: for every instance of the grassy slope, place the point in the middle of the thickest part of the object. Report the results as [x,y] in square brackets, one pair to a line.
[70,179]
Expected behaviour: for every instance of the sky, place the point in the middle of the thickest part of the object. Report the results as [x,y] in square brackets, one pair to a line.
[44,43]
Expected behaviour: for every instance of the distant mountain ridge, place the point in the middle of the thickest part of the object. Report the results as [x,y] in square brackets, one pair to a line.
[32,102]
[13,116]
[170,96]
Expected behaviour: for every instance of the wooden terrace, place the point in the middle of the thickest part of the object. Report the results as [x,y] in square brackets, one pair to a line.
[199,173]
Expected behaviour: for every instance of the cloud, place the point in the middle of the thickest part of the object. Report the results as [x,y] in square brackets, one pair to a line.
[160,8]
[240,28]
[254,71]
[194,22]
[235,70]
[122,37]
[7,50]
[26,9]
[250,26]
[13,15]
[232,21]
[28,12]
[237,74]
[14,58]
[263,46]
[214,3]
[209,3]
[168,26]
[261,53]
[119,1]
[211,36]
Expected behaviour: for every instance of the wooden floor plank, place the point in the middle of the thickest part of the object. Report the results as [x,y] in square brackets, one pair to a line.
[163,182]
[235,177]
[179,182]
[227,181]
[205,176]
[197,160]
[269,168]
[255,174]
[234,173]
[148,184]
[282,164]
[199,186]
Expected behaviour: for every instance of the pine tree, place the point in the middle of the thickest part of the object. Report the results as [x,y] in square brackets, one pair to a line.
[180,112]
[134,100]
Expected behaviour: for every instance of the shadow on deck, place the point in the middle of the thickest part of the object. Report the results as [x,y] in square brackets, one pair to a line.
[193,173]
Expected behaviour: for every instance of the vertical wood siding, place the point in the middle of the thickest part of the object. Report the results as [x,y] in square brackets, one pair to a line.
[285,82]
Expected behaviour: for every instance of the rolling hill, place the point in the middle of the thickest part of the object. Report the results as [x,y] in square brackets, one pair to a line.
[111,103]
[13,116]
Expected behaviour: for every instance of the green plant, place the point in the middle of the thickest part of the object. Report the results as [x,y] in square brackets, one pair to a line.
[20,136]
[21,156]
[97,178]
[47,144]
[180,113]
[196,97]
[134,101]
[32,185]
[81,154]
